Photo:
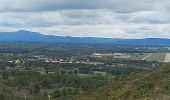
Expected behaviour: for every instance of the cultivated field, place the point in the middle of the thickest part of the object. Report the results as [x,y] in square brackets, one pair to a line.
[160,57]
[157,57]
[139,56]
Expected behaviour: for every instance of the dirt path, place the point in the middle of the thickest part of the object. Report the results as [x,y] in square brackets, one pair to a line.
[167,57]
[147,56]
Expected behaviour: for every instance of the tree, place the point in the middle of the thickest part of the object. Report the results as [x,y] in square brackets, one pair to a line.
[85,85]
[36,88]
[2,97]
[56,93]
[47,83]
[5,75]
[45,96]
[64,91]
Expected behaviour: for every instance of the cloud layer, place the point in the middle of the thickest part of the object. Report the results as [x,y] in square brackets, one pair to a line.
[88,18]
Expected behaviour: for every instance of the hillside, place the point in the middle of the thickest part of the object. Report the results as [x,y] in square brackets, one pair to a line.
[150,85]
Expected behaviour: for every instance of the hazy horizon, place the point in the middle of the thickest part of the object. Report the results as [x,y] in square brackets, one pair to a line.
[74,36]
[91,18]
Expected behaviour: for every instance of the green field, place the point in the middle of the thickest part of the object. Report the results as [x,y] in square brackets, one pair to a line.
[157,57]
[101,73]
[138,56]
[146,56]
[103,54]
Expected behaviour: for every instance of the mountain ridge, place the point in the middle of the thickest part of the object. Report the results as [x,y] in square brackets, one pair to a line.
[36,37]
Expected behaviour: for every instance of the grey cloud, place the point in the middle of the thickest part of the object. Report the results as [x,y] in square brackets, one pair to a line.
[48,19]
[145,17]
[99,18]
[51,5]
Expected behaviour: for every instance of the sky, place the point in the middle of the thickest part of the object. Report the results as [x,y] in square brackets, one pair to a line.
[88,18]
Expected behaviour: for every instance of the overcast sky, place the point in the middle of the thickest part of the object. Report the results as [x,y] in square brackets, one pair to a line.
[88,18]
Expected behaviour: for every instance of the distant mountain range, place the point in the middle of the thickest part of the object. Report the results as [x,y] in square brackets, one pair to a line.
[35,37]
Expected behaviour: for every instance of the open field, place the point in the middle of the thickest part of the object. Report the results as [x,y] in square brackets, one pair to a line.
[102,54]
[157,57]
[84,75]
[167,57]
[139,56]
[101,73]
[160,57]
[148,56]
[122,55]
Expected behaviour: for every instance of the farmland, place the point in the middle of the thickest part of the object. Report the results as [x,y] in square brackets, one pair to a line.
[157,57]
[138,56]
[149,56]
[160,57]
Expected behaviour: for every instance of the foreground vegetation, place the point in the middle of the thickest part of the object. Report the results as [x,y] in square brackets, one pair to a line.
[150,85]
[73,72]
